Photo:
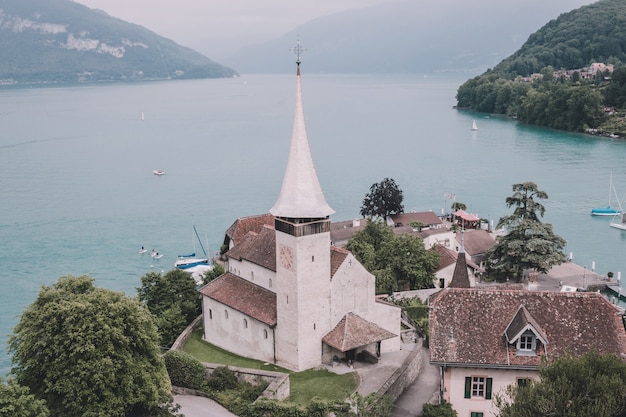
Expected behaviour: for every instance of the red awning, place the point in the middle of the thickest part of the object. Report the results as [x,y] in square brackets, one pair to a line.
[466,216]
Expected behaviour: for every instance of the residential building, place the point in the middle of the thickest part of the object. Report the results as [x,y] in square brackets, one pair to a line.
[484,340]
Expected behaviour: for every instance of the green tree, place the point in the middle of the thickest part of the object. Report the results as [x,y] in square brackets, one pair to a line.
[371,405]
[17,401]
[590,385]
[384,199]
[89,352]
[213,273]
[408,261]
[439,410]
[393,259]
[528,243]
[457,205]
[173,300]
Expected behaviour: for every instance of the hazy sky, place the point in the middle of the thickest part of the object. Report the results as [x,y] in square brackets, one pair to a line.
[215,27]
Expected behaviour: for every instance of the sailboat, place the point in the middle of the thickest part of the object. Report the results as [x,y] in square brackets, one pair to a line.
[474,125]
[608,210]
[190,260]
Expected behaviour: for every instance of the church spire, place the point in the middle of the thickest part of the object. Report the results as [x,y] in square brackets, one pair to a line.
[301,195]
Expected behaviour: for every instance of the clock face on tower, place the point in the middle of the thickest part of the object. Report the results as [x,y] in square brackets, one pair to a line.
[286,257]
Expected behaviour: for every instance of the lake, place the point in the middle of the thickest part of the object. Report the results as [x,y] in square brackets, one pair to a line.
[77,193]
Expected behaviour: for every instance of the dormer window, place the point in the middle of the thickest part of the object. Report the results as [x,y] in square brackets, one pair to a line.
[524,333]
[527,343]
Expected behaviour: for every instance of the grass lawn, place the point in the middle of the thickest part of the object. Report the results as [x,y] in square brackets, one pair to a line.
[304,385]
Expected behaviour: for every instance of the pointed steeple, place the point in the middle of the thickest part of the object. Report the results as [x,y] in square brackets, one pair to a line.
[301,195]
[460,276]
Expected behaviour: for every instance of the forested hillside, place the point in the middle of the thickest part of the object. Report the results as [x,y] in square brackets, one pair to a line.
[549,81]
[59,41]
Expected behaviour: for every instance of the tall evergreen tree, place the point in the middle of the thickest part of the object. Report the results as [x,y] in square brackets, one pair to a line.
[528,243]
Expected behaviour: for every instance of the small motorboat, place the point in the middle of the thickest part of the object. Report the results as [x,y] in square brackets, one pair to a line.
[158,172]
[142,250]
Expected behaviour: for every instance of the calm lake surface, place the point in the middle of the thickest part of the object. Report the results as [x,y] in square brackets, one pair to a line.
[77,193]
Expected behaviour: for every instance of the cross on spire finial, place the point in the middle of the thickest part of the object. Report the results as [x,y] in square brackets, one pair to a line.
[298,50]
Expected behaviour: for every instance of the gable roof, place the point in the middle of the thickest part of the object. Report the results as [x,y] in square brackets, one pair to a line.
[521,322]
[243,225]
[243,296]
[446,256]
[337,256]
[476,242]
[467,326]
[353,331]
[427,218]
[258,248]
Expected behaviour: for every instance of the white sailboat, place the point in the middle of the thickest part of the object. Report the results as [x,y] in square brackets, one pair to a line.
[608,210]
[474,125]
[621,215]
[190,260]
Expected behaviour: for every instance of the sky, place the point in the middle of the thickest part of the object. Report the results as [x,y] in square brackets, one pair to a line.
[217,28]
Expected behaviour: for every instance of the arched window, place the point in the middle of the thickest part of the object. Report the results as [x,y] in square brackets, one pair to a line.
[226,313]
[245,323]
[265,333]
[210,314]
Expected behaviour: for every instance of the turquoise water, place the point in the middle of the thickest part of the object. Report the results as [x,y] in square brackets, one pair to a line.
[77,193]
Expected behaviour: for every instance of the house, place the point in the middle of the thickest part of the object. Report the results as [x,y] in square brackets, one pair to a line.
[447,267]
[289,296]
[484,340]
[476,243]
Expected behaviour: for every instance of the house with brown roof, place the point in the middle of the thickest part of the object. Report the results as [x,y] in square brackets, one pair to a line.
[476,243]
[484,340]
[448,266]
[289,296]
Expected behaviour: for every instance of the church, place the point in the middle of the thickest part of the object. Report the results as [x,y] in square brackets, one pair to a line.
[288,296]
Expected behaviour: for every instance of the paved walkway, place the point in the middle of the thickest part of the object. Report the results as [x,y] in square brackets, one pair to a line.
[192,406]
[421,391]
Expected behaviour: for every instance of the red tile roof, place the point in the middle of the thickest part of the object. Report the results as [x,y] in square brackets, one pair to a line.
[467,326]
[258,248]
[243,296]
[337,256]
[248,224]
[352,332]
[427,218]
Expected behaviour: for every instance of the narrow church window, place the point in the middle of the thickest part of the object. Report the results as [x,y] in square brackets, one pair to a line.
[252,275]
[270,283]
[314,326]
[287,299]
[265,333]
[245,323]
[313,258]
[442,282]
[210,314]
[226,313]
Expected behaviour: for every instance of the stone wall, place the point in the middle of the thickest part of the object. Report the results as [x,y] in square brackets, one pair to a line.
[279,385]
[403,376]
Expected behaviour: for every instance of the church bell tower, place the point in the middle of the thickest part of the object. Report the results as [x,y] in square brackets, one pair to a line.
[302,253]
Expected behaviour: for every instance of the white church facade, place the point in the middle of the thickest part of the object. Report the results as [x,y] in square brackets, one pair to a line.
[288,296]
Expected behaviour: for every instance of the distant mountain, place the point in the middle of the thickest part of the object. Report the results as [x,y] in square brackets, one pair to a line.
[59,41]
[408,36]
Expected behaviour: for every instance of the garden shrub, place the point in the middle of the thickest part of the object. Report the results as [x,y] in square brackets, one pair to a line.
[185,370]
[222,379]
